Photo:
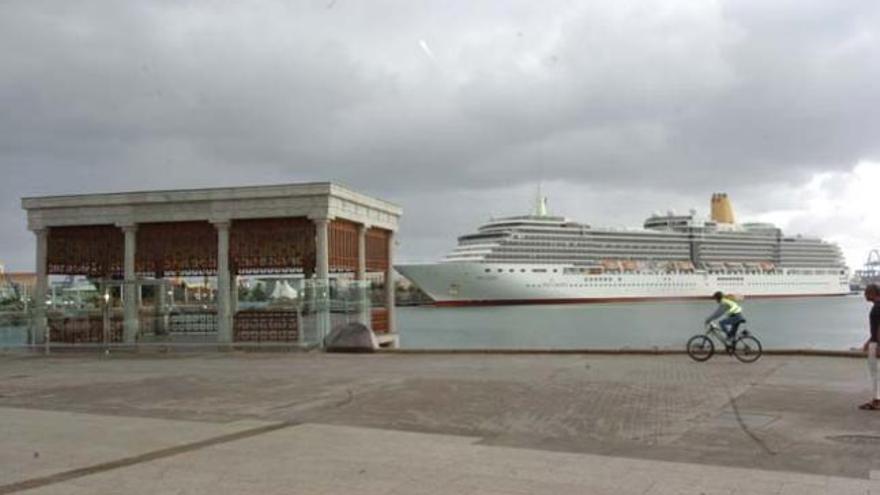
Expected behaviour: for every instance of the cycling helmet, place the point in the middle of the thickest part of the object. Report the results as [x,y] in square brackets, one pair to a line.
[717,295]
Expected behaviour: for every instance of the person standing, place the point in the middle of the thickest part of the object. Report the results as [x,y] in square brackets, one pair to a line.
[872,294]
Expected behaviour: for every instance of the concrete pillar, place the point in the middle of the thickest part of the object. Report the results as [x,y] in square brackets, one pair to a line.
[233,294]
[363,287]
[389,285]
[130,293]
[361,273]
[322,278]
[105,313]
[224,314]
[322,261]
[41,287]
[161,295]
[162,306]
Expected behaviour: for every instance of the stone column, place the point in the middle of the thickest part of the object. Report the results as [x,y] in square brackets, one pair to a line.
[322,278]
[389,285]
[161,294]
[363,287]
[130,293]
[361,273]
[161,302]
[105,314]
[224,314]
[41,287]
[322,259]
[233,295]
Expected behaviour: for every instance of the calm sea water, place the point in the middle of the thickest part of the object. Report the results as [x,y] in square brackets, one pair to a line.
[836,323]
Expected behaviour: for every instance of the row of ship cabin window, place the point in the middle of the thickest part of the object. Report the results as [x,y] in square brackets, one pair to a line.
[668,284]
[512,270]
[711,272]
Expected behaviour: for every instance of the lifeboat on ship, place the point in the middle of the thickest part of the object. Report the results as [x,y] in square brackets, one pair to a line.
[753,267]
[735,267]
[611,265]
[767,267]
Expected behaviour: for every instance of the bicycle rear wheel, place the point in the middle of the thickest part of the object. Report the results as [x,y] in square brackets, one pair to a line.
[747,349]
[700,348]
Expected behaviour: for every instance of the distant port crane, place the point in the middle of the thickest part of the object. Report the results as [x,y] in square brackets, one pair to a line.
[870,273]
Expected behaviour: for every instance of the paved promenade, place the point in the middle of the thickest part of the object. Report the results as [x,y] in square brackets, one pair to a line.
[429,424]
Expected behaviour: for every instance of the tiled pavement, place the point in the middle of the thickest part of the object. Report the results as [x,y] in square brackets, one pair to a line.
[319,459]
[434,424]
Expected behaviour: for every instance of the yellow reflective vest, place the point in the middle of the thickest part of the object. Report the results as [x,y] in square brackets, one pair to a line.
[732,307]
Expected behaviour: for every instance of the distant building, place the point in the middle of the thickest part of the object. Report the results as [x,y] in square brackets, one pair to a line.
[13,285]
[7,290]
[25,281]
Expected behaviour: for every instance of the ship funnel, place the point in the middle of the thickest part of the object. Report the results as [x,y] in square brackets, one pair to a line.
[722,211]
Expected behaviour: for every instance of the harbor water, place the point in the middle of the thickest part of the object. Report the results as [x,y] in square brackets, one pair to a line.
[830,323]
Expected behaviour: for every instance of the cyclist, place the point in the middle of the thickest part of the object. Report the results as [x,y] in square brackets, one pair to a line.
[729,314]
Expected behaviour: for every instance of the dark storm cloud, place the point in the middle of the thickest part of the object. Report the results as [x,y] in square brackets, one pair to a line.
[452,109]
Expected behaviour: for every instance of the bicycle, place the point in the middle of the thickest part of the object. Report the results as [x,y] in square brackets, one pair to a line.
[745,346]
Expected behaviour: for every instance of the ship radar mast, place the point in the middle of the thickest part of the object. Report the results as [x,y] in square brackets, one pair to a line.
[540,203]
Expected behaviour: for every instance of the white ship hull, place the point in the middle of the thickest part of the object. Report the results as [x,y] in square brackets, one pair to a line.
[459,283]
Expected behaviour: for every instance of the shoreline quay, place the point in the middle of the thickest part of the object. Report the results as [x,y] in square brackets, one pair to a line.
[191,347]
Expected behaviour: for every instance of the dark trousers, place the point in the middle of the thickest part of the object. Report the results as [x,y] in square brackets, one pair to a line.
[731,324]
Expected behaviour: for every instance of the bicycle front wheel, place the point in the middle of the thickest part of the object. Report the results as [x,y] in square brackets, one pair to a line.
[747,349]
[700,348]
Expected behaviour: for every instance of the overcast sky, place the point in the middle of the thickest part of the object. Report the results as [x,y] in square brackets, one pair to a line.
[453,109]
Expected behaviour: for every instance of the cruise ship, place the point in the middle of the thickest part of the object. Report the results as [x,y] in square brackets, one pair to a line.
[541,258]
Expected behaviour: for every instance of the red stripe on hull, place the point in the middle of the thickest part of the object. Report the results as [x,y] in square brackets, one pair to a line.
[594,300]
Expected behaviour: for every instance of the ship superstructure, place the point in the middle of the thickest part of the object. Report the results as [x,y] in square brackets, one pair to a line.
[546,258]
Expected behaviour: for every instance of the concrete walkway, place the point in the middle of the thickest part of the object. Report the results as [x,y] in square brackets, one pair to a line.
[311,423]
